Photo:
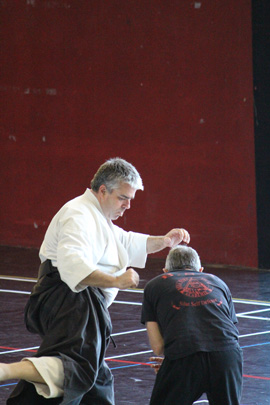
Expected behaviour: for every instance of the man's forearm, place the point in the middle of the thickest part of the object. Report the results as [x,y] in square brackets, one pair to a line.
[155,244]
[100,279]
[155,338]
[104,280]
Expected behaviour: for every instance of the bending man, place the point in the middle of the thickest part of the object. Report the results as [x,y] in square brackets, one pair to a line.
[190,319]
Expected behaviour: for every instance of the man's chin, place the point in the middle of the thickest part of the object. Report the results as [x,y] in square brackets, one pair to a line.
[120,214]
[115,217]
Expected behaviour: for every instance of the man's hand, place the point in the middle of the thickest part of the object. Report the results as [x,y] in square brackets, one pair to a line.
[176,236]
[171,239]
[129,279]
[156,366]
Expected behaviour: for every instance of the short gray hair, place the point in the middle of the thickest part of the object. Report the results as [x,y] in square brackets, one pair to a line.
[115,171]
[180,256]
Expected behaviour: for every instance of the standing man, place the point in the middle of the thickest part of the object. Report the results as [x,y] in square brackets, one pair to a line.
[84,260]
[190,319]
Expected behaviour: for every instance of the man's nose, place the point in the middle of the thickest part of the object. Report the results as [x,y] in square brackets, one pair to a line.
[127,204]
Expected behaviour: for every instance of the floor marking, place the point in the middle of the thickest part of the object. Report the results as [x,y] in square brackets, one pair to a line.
[127,302]
[237,300]
[256,377]
[14,348]
[251,302]
[16,292]
[132,365]
[134,290]
[20,350]
[257,344]
[130,362]
[35,348]
[128,332]
[7,385]
[254,312]
[15,278]
[129,354]
[253,317]
[254,334]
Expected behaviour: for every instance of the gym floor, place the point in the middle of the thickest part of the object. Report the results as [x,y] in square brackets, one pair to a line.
[129,360]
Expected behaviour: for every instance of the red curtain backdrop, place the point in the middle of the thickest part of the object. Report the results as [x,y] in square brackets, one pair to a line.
[165,85]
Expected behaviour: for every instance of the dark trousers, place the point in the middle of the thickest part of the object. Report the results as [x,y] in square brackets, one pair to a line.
[75,327]
[183,381]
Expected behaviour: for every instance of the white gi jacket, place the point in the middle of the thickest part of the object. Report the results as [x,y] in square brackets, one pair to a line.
[80,240]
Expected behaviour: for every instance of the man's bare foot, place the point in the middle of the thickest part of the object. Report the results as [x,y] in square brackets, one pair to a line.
[23,370]
[4,372]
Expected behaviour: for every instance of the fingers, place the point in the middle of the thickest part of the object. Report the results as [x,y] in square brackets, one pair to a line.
[156,366]
[176,236]
[134,277]
[130,279]
[186,236]
[157,359]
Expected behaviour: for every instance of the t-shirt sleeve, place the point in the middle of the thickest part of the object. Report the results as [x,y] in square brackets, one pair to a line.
[231,308]
[148,311]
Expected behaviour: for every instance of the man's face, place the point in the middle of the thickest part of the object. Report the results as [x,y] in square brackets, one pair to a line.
[115,203]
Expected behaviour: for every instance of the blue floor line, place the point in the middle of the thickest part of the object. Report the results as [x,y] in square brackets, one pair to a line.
[257,344]
[131,365]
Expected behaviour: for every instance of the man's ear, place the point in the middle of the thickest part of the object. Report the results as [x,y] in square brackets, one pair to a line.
[201,270]
[165,270]
[102,189]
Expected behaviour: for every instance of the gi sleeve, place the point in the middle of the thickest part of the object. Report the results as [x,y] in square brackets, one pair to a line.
[78,250]
[135,245]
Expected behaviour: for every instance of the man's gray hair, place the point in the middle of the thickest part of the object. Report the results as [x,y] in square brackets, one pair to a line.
[180,256]
[115,171]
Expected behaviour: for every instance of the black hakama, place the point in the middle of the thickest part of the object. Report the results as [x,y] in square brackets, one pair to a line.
[75,327]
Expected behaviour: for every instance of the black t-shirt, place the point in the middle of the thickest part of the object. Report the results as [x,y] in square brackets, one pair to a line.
[194,311]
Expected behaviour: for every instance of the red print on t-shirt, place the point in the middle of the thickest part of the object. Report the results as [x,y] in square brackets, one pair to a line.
[167,275]
[191,287]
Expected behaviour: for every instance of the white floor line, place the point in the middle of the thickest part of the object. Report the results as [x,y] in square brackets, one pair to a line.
[36,347]
[254,312]
[16,292]
[127,302]
[140,304]
[128,332]
[14,278]
[259,318]
[124,333]
[254,334]
[263,303]
[20,350]
[133,290]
